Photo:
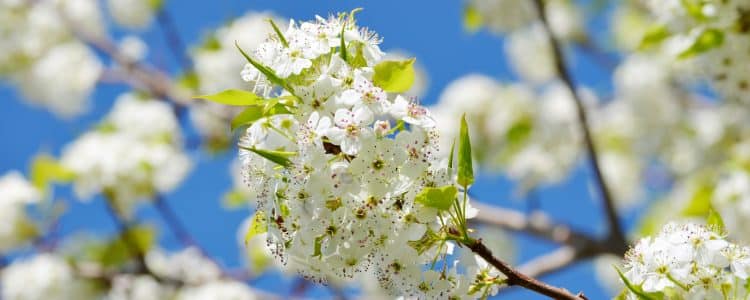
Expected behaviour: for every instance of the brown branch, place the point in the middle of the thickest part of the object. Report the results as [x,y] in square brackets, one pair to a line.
[616,233]
[515,277]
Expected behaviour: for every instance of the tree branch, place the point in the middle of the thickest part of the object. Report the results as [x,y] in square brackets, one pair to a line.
[551,262]
[176,45]
[540,225]
[616,235]
[515,277]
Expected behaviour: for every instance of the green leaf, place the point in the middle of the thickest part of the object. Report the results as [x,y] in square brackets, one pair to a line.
[450,156]
[45,170]
[258,225]
[472,19]
[700,204]
[715,222]
[234,98]
[234,199]
[440,198]
[638,291]
[247,116]
[465,168]
[426,242]
[268,72]
[279,157]
[394,76]
[708,39]
[653,37]
[343,51]
[282,39]
[119,250]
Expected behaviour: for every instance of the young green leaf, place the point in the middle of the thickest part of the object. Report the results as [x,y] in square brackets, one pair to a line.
[653,37]
[715,222]
[45,169]
[233,97]
[450,156]
[258,225]
[700,204]
[465,168]
[342,50]
[276,29]
[707,40]
[394,76]
[472,19]
[268,72]
[279,157]
[248,116]
[633,288]
[440,198]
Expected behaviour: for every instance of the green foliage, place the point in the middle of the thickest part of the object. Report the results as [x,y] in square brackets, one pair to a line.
[440,198]
[637,290]
[119,250]
[472,19]
[254,112]
[268,72]
[653,37]
[700,204]
[45,170]
[708,39]
[234,98]
[394,76]
[235,199]
[450,156]
[258,225]
[715,222]
[426,242]
[279,157]
[465,168]
[276,29]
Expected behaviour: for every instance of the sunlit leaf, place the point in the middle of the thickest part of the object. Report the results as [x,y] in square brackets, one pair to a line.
[279,157]
[258,225]
[234,98]
[45,170]
[440,198]
[715,222]
[465,168]
[707,40]
[394,76]
[472,18]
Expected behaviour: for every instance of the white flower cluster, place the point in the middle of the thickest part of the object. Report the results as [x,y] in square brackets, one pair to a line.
[536,141]
[687,261]
[135,14]
[343,205]
[36,46]
[185,275]
[16,228]
[45,276]
[716,33]
[135,153]
[528,48]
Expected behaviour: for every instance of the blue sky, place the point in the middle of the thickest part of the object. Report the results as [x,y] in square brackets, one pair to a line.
[432,33]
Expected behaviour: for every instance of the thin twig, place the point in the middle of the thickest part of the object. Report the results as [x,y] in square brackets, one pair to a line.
[182,234]
[124,230]
[515,277]
[616,233]
[176,45]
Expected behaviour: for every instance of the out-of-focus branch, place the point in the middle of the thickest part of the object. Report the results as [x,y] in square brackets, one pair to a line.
[182,234]
[516,277]
[540,225]
[174,41]
[551,262]
[616,233]
[124,230]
